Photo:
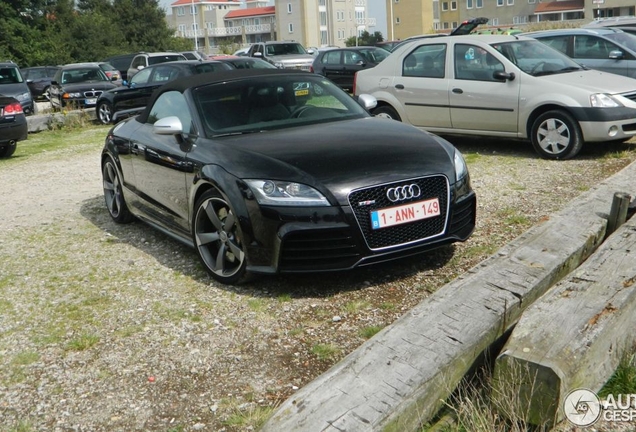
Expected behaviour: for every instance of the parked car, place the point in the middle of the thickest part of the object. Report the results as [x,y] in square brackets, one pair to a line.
[143,60]
[121,63]
[38,80]
[283,55]
[261,175]
[194,55]
[78,85]
[341,64]
[243,62]
[131,99]
[12,84]
[111,72]
[13,125]
[605,48]
[503,86]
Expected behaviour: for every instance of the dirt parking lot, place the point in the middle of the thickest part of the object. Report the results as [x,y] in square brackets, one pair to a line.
[106,327]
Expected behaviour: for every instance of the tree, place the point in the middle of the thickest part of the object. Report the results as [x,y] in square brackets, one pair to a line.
[365,39]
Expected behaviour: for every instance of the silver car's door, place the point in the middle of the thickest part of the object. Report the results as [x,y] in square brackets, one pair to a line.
[421,86]
[479,101]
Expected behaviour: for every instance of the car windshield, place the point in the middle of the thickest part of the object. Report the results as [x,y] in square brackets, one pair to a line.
[272,102]
[10,75]
[536,58]
[79,75]
[625,39]
[285,49]
[164,58]
[375,55]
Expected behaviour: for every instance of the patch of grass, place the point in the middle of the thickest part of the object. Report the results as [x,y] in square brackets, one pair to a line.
[257,304]
[517,186]
[356,306]
[370,331]
[82,342]
[388,306]
[21,426]
[246,416]
[25,358]
[296,331]
[623,381]
[284,298]
[471,157]
[325,351]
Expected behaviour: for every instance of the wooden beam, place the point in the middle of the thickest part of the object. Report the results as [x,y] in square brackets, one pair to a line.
[398,379]
[575,335]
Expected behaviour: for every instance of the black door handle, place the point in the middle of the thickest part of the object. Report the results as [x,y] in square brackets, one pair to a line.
[457,91]
[399,86]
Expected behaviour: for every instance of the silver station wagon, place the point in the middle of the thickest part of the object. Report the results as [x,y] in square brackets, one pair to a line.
[502,86]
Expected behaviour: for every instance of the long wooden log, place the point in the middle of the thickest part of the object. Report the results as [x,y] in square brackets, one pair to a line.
[399,378]
[575,335]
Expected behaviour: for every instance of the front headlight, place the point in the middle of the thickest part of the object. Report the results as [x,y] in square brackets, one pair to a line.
[461,170]
[26,96]
[281,193]
[279,65]
[601,100]
[72,95]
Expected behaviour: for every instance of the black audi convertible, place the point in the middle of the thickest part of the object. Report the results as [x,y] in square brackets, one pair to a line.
[268,171]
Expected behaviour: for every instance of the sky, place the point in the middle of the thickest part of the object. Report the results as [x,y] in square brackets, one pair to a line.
[377,10]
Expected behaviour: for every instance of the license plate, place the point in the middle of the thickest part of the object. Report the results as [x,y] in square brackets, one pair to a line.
[90,101]
[406,213]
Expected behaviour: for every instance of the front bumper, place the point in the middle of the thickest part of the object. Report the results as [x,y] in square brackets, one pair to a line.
[606,124]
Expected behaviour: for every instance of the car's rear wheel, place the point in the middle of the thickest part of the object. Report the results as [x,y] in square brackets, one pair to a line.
[113,193]
[556,135]
[47,93]
[385,111]
[8,149]
[218,239]
[105,112]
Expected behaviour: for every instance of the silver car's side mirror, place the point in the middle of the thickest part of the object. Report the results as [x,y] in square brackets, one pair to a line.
[367,101]
[168,126]
[616,55]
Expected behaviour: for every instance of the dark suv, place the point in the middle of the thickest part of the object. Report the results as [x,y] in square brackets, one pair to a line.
[13,84]
[341,64]
[283,55]
[121,63]
[38,79]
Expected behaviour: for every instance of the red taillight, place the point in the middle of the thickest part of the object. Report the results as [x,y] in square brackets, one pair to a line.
[355,78]
[311,69]
[13,109]
[109,74]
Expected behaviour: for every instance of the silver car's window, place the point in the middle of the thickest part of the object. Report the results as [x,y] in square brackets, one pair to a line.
[475,63]
[536,58]
[170,104]
[141,77]
[427,61]
[624,39]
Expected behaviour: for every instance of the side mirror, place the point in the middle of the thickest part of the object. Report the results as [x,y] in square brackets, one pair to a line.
[310,51]
[616,55]
[367,101]
[168,126]
[257,54]
[503,76]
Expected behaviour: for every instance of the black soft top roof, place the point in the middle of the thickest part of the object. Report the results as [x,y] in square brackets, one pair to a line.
[193,81]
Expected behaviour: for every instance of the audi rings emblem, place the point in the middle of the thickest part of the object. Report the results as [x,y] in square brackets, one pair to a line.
[401,193]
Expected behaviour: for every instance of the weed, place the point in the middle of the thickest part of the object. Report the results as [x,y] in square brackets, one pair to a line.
[356,306]
[325,351]
[83,342]
[370,331]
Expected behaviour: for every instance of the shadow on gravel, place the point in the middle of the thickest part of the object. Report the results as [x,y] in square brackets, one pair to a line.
[182,259]
[523,149]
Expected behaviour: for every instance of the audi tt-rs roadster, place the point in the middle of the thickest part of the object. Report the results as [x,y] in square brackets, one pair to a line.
[268,171]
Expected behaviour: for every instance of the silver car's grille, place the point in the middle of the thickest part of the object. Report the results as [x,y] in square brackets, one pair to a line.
[631,95]
[364,201]
[92,93]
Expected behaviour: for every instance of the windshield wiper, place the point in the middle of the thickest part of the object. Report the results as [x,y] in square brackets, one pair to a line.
[247,132]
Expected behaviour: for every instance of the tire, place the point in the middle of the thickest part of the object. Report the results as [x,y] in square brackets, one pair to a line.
[8,149]
[47,93]
[104,112]
[217,238]
[113,193]
[386,111]
[556,135]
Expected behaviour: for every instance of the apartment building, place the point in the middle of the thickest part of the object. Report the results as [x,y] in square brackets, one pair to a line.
[412,17]
[313,23]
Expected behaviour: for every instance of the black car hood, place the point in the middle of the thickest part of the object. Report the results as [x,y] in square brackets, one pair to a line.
[14,89]
[340,156]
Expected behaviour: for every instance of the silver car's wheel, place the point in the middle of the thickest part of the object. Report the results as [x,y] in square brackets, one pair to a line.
[218,239]
[556,135]
[105,112]
[113,193]
[385,111]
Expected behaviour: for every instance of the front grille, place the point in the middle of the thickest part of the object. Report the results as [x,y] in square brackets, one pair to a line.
[319,249]
[92,93]
[631,95]
[375,198]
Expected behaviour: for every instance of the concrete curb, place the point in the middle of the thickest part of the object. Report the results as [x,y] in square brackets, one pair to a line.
[43,122]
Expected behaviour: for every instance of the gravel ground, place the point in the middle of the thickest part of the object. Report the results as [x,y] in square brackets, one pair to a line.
[106,327]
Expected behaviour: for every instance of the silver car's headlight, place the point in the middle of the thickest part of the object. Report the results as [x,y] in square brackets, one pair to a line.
[601,100]
[281,193]
[24,97]
[461,169]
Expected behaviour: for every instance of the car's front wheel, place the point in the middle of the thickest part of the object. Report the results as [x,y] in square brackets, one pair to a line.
[385,111]
[556,135]
[113,193]
[105,112]
[218,239]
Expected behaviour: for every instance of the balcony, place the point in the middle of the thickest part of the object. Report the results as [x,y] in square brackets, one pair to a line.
[225,31]
[256,29]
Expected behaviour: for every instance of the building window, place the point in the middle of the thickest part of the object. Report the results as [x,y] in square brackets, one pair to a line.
[323,18]
[495,21]
[454,24]
[510,2]
[444,6]
[500,2]
[445,26]
[289,8]
[453,5]
[397,20]
[180,11]
[194,10]
[290,28]
[479,4]
[531,1]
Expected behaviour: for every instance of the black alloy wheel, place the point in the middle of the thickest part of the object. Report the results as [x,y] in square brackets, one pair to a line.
[105,112]
[113,193]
